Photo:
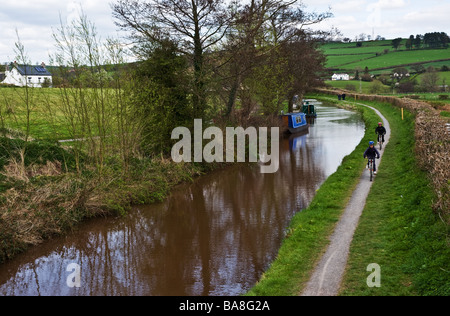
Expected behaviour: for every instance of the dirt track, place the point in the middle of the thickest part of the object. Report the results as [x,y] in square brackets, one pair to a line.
[327,276]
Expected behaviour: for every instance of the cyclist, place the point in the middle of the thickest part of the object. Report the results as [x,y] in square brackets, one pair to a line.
[381,131]
[372,153]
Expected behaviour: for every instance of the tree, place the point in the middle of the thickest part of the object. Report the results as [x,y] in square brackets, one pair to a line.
[406,87]
[419,68]
[267,55]
[418,41]
[430,80]
[197,26]
[377,87]
[160,94]
[396,43]
[304,64]
[436,40]
[246,47]
[410,42]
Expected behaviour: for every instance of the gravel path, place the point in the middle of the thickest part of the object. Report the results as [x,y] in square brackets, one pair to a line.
[328,274]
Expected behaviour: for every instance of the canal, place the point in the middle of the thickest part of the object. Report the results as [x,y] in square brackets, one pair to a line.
[213,237]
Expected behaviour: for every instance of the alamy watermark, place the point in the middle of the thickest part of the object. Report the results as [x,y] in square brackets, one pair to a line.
[234,141]
[374,279]
[74,278]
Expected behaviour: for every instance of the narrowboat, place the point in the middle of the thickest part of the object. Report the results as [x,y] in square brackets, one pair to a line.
[295,122]
[309,108]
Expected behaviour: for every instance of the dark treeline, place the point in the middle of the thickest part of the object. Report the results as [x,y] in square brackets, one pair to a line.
[429,40]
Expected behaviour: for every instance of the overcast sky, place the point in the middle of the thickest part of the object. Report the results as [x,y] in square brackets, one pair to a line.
[34,20]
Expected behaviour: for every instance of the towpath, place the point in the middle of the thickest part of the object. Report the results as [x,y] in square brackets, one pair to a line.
[328,274]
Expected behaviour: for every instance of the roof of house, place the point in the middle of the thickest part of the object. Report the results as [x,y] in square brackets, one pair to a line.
[32,70]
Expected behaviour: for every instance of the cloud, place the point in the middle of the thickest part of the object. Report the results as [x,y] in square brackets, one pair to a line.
[430,19]
[388,18]
[36,20]
[391,4]
[352,6]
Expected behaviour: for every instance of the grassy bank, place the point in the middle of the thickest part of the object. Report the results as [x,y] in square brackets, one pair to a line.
[399,229]
[308,233]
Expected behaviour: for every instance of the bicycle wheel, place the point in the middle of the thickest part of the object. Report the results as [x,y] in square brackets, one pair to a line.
[380,141]
[371,170]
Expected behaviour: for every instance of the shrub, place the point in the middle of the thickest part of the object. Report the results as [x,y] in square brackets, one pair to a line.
[366,78]
[406,87]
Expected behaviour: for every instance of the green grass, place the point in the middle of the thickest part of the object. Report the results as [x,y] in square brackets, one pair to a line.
[347,57]
[444,75]
[341,60]
[47,119]
[395,59]
[365,86]
[45,116]
[398,229]
[350,48]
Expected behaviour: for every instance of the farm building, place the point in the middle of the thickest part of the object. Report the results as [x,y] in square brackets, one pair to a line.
[340,77]
[31,76]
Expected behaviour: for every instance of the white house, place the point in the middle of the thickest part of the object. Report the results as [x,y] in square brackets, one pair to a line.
[340,77]
[31,76]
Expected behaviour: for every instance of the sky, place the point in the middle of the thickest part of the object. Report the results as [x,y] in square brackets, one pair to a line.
[35,20]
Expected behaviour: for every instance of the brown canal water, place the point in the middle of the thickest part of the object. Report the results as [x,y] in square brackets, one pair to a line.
[213,237]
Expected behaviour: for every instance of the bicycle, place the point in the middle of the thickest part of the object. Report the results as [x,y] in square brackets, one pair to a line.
[371,168]
[380,141]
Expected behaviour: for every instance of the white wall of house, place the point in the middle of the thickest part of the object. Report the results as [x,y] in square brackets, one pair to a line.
[15,78]
[340,77]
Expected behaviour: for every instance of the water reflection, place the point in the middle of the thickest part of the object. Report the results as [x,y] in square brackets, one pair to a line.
[215,236]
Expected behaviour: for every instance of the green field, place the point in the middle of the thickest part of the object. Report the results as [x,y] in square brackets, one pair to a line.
[380,58]
[359,86]
[396,59]
[49,116]
[445,75]
[340,60]
[350,48]
[346,57]
[45,117]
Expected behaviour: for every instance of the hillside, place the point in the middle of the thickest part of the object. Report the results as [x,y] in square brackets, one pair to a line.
[380,57]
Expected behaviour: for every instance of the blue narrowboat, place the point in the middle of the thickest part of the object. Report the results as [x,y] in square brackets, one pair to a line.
[295,122]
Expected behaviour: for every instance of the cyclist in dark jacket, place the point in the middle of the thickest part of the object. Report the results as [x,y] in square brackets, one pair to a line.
[372,153]
[380,130]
